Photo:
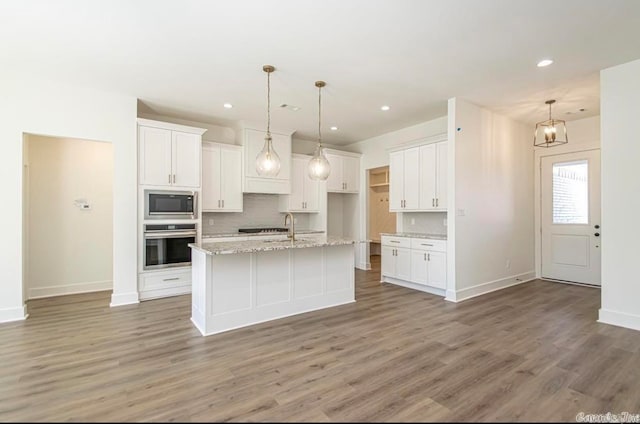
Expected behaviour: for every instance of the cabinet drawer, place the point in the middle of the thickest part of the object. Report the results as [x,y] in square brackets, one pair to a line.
[427,244]
[396,241]
[154,281]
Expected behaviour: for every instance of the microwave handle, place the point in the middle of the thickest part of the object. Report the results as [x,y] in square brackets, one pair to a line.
[169,234]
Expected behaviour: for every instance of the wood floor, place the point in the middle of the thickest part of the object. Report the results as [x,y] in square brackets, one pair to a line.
[528,353]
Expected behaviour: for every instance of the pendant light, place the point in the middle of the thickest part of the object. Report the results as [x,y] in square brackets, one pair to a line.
[552,132]
[268,161]
[319,167]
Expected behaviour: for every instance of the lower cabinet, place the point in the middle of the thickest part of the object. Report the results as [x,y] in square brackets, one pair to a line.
[170,282]
[419,262]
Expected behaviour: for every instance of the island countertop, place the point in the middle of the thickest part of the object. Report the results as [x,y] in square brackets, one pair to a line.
[251,246]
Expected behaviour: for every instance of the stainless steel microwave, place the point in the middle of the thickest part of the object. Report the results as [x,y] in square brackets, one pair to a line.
[161,204]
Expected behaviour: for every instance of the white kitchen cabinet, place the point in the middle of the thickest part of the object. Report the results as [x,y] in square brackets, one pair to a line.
[345,172]
[433,176]
[169,154]
[221,178]
[404,180]
[418,178]
[415,262]
[253,142]
[305,191]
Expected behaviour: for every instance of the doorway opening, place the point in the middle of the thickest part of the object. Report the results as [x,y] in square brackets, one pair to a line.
[380,219]
[67,216]
[570,217]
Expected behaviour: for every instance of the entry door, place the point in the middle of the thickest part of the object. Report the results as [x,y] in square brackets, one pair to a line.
[571,240]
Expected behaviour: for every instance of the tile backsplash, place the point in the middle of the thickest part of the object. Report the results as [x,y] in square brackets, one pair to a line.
[424,222]
[259,210]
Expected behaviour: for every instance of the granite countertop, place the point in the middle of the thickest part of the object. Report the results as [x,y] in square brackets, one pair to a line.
[417,235]
[250,246]
[237,234]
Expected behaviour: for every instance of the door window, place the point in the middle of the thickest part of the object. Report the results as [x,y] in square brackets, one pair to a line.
[571,192]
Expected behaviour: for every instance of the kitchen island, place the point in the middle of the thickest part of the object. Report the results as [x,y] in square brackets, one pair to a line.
[236,284]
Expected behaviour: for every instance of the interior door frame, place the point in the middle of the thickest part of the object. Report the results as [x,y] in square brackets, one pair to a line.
[539,154]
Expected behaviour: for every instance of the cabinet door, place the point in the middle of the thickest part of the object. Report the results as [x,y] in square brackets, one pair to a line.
[403,264]
[441,177]
[396,181]
[253,143]
[388,261]
[412,179]
[298,178]
[335,180]
[428,177]
[350,174]
[419,267]
[186,159]
[210,197]
[155,156]
[437,269]
[311,191]
[231,179]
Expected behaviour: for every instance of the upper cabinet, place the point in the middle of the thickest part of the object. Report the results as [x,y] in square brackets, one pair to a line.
[345,172]
[305,191]
[169,154]
[253,142]
[221,178]
[404,180]
[418,178]
[433,176]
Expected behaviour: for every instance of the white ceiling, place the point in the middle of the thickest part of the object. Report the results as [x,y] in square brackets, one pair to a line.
[187,58]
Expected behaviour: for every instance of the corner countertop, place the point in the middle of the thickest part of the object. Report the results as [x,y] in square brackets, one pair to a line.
[237,234]
[252,246]
[417,235]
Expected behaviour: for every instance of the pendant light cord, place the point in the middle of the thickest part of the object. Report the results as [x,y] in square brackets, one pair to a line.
[319,116]
[268,103]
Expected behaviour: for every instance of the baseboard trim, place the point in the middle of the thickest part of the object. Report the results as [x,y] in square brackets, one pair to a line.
[408,284]
[365,266]
[121,299]
[619,319]
[50,291]
[488,287]
[18,313]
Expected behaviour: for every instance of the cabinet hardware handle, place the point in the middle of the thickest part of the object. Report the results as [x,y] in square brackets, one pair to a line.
[425,244]
[222,203]
[171,279]
[218,202]
[425,256]
[437,202]
[429,256]
[394,241]
[433,203]
[169,178]
[174,178]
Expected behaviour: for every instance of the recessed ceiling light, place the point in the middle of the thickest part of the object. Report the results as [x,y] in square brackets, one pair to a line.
[544,62]
[290,107]
[227,105]
[334,128]
[385,107]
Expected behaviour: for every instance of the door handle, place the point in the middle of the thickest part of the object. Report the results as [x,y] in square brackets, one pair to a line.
[597,234]
[596,226]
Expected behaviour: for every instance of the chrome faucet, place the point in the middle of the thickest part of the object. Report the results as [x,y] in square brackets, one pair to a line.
[292,229]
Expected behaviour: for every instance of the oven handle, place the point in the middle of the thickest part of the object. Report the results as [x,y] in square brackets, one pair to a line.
[174,234]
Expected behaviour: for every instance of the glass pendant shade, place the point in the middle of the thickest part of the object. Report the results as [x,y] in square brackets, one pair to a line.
[319,166]
[552,132]
[268,161]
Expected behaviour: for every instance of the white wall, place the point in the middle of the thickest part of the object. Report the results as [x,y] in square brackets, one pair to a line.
[45,108]
[620,148]
[375,150]
[493,219]
[70,249]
